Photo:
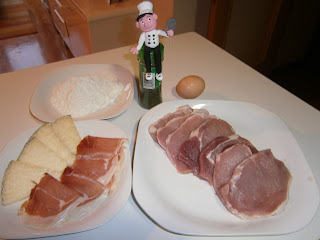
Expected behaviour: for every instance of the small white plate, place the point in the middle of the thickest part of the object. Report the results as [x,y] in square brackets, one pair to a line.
[42,109]
[184,204]
[11,225]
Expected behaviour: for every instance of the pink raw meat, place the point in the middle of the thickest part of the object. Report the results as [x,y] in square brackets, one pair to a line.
[258,188]
[226,162]
[178,137]
[199,138]
[208,154]
[169,128]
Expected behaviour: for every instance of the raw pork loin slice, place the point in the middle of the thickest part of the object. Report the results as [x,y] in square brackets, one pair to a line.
[178,137]
[226,162]
[169,128]
[181,111]
[208,155]
[199,138]
[258,187]
[209,130]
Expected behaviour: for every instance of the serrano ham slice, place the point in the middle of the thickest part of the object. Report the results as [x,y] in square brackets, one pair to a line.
[258,188]
[89,188]
[99,148]
[99,158]
[97,162]
[49,203]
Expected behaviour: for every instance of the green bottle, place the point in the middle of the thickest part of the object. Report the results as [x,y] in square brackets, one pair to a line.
[149,92]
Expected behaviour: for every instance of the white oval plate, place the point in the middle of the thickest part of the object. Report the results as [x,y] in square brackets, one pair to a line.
[11,226]
[184,204]
[42,109]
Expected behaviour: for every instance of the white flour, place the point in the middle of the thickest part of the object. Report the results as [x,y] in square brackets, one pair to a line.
[80,96]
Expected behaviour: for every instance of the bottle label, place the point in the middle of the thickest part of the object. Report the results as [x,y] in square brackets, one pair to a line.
[148,84]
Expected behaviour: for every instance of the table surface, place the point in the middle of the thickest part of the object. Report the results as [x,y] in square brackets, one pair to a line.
[226,78]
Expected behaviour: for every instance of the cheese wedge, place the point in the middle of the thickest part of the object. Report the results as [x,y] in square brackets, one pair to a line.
[37,153]
[46,135]
[67,132]
[19,179]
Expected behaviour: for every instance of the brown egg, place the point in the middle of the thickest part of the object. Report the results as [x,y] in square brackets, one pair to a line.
[190,87]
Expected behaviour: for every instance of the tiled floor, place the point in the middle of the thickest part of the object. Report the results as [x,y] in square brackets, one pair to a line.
[43,47]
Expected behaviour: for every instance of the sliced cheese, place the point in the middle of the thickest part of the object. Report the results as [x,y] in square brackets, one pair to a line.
[19,179]
[67,132]
[37,153]
[47,136]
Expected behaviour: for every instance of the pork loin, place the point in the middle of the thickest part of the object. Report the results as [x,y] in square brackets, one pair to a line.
[181,111]
[258,188]
[199,138]
[208,155]
[178,137]
[170,127]
[226,162]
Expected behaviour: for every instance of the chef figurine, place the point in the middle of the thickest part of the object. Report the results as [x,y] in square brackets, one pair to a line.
[147,22]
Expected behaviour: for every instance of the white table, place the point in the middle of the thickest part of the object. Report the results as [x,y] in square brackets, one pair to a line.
[187,54]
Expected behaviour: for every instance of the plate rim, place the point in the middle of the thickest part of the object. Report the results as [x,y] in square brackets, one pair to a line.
[51,73]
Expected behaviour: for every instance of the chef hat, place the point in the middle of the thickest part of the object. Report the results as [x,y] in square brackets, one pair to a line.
[145,7]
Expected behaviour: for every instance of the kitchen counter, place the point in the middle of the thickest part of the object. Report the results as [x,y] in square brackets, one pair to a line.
[226,78]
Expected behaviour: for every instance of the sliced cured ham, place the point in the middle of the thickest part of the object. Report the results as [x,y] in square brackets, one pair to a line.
[99,148]
[94,173]
[99,158]
[177,138]
[226,162]
[208,154]
[258,188]
[95,169]
[50,201]
[89,188]
[199,138]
